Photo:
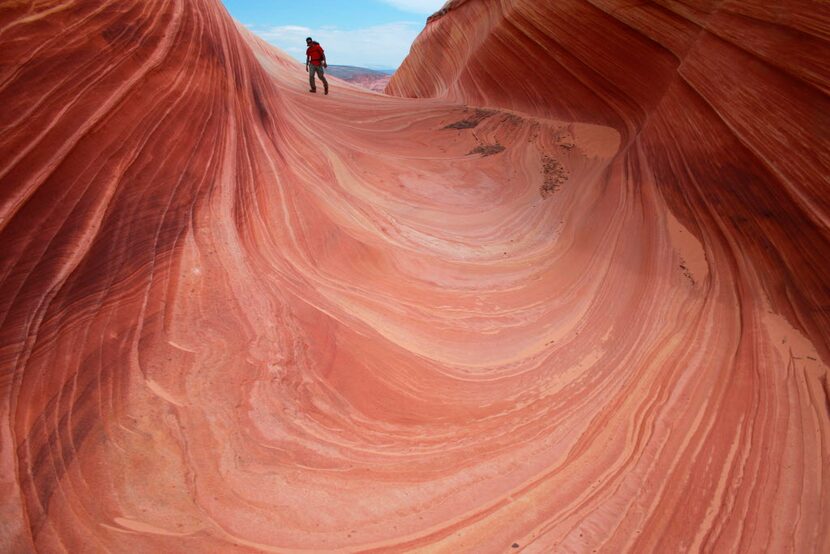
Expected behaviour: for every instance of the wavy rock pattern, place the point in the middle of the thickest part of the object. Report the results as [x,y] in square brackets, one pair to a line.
[590,317]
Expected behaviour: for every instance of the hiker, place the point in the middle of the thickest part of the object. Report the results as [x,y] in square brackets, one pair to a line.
[315,56]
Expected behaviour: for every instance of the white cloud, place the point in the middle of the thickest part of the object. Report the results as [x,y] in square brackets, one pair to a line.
[427,7]
[379,46]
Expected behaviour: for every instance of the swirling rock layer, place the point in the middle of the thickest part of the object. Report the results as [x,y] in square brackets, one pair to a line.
[588,314]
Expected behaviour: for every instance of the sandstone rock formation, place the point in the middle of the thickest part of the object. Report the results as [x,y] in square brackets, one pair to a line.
[581,313]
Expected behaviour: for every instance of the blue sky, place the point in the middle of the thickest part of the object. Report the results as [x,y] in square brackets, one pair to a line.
[365,33]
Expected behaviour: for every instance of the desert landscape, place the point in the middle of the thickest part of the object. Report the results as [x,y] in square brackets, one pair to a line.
[367,78]
[563,288]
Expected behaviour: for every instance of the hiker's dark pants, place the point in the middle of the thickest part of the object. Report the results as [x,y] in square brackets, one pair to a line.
[312,69]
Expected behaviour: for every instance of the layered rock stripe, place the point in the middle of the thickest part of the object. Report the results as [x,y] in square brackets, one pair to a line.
[586,312]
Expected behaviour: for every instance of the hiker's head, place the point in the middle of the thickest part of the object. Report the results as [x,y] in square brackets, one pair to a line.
[308,40]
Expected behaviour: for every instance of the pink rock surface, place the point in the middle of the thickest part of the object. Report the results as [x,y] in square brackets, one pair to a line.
[582,313]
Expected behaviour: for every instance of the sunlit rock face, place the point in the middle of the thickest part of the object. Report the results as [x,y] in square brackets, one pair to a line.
[578,304]
[722,104]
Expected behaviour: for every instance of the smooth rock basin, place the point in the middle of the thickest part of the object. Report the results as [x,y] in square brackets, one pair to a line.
[563,289]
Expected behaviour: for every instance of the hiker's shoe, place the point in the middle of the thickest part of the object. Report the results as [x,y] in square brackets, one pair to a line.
[312,90]
[326,89]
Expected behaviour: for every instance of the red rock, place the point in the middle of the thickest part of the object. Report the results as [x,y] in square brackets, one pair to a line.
[584,312]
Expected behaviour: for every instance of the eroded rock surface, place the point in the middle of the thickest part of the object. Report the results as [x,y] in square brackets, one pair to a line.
[584,312]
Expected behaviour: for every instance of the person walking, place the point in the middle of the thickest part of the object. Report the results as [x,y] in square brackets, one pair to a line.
[315,61]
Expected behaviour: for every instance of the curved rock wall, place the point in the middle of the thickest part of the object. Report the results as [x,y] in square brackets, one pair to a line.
[725,103]
[235,316]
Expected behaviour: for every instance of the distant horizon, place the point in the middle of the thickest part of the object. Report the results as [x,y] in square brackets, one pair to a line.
[389,70]
[372,34]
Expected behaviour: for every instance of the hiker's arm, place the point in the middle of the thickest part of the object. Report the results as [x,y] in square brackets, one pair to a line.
[323,58]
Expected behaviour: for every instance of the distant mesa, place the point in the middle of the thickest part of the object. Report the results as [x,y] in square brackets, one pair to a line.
[372,79]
